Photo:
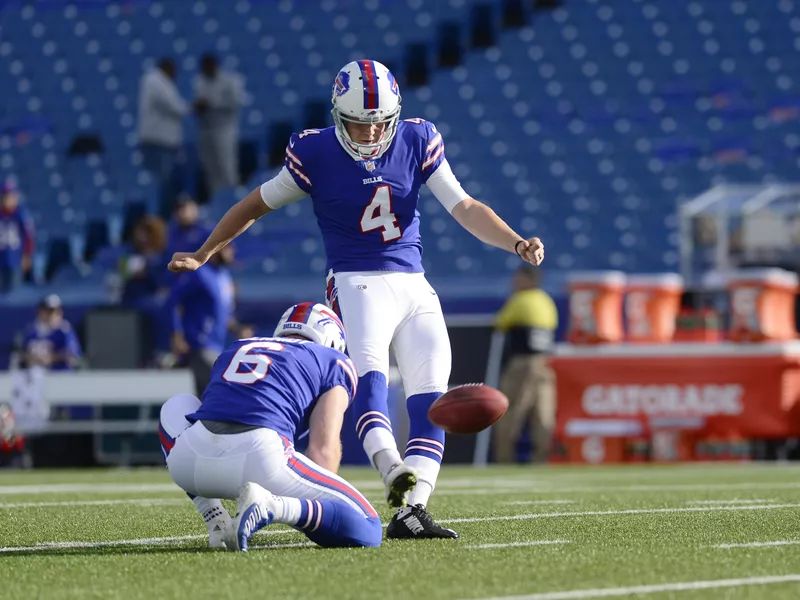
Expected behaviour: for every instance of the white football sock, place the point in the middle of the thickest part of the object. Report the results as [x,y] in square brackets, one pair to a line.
[420,494]
[427,473]
[209,508]
[380,440]
[289,510]
[386,459]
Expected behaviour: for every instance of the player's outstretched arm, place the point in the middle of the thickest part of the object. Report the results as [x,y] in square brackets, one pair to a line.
[482,222]
[477,218]
[325,428]
[235,222]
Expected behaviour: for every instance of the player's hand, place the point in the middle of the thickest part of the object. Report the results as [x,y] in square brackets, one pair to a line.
[185,261]
[531,251]
[179,344]
[41,358]
[246,331]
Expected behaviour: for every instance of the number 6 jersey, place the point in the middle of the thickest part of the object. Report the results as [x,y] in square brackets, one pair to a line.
[367,209]
[273,383]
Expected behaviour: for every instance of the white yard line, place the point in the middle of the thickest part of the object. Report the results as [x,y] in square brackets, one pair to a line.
[159,488]
[678,487]
[380,499]
[483,487]
[518,544]
[91,488]
[759,544]
[494,491]
[685,586]
[157,541]
[547,487]
[732,501]
[369,484]
[184,500]
[135,501]
[110,488]
[523,517]
[681,487]
[631,511]
[536,502]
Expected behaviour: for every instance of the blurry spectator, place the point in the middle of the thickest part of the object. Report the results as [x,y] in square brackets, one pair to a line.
[529,319]
[161,114]
[12,444]
[236,329]
[144,282]
[50,341]
[52,344]
[186,233]
[219,97]
[244,331]
[202,304]
[16,237]
[142,269]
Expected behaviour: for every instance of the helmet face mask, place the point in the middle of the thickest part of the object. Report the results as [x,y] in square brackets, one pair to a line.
[365,93]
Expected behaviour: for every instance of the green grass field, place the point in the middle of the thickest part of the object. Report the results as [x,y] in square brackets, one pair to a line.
[538,533]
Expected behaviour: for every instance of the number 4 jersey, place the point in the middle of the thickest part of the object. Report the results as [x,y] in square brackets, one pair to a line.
[367,209]
[273,383]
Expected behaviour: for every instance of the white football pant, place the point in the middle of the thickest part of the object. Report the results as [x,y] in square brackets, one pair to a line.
[383,310]
[216,466]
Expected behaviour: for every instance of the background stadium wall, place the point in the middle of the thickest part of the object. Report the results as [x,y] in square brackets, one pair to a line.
[470,339]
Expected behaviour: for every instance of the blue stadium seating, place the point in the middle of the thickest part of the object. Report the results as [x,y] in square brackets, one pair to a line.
[585,126]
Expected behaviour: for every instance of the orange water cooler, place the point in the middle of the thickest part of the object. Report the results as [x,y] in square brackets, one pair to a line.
[652,304]
[595,307]
[762,305]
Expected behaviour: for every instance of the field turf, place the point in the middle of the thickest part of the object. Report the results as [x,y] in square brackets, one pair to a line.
[559,533]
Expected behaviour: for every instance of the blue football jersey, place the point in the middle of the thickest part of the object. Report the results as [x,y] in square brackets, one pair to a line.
[16,237]
[367,210]
[273,383]
[60,342]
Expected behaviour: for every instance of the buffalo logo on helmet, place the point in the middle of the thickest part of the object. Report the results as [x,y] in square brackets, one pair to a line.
[342,83]
[393,83]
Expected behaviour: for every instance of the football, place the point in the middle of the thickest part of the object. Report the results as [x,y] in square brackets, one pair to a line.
[468,408]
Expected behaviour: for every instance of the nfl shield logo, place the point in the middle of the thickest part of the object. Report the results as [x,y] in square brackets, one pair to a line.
[369,166]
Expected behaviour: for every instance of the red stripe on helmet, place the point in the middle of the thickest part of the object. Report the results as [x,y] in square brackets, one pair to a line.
[300,313]
[370,84]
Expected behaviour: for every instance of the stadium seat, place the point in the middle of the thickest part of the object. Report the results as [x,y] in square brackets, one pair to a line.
[592,111]
[97,237]
[58,256]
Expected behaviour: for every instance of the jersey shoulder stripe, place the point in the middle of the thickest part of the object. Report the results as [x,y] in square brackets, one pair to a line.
[301,152]
[431,142]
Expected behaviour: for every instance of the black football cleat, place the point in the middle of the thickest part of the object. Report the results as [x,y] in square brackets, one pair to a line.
[414,522]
